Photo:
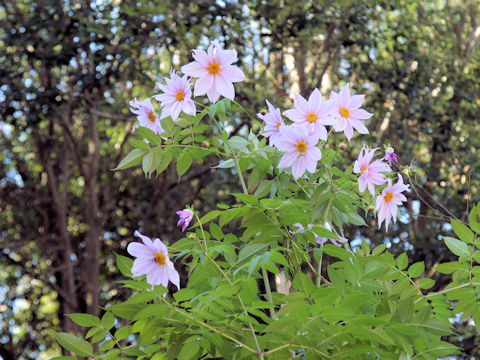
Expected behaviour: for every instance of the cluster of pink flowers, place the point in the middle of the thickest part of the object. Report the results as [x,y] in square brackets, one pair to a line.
[215,76]
[299,140]
[309,120]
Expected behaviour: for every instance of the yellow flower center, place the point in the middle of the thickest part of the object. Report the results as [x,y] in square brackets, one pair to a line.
[278,125]
[160,258]
[180,95]
[389,197]
[214,68]
[344,112]
[151,116]
[301,146]
[363,168]
[312,117]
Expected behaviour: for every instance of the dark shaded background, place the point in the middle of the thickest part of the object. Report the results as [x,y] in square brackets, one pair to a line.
[69,68]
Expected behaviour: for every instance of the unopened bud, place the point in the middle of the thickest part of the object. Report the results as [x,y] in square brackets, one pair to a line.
[371,208]
[206,144]
[263,112]
[326,146]
[192,236]
[342,146]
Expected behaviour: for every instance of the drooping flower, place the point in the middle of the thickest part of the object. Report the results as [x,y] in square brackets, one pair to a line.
[273,121]
[348,113]
[177,96]
[390,155]
[301,150]
[186,215]
[146,115]
[313,113]
[370,172]
[387,203]
[152,260]
[320,240]
[215,72]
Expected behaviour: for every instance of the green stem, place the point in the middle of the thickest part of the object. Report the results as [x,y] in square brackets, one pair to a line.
[273,315]
[319,276]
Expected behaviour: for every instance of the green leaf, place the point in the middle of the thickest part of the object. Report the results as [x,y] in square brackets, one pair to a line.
[139,144]
[124,264]
[238,143]
[133,158]
[74,344]
[64,358]
[165,158]
[303,283]
[123,332]
[150,135]
[449,267]
[230,163]
[336,251]
[402,261]
[152,310]
[106,345]
[456,246]
[416,269]
[426,283]
[108,320]
[85,320]
[148,162]
[462,231]
[246,198]
[474,219]
[189,350]
[184,161]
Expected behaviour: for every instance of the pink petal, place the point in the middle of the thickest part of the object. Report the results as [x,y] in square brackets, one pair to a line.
[287,160]
[356,101]
[140,251]
[189,107]
[360,114]
[141,266]
[344,96]
[348,130]
[195,69]
[315,99]
[298,168]
[300,103]
[224,87]
[203,85]
[174,277]
[213,94]
[227,57]
[294,115]
[232,73]
[202,57]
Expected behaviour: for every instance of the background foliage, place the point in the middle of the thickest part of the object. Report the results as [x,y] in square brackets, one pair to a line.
[68,70]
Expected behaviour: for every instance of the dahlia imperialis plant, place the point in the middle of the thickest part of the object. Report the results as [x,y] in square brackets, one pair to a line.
[260,290]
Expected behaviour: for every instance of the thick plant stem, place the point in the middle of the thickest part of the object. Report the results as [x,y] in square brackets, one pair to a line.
[319,277]
[273,315]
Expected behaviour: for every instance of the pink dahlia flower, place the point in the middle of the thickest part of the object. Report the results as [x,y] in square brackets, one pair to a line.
[348,113]
[389,156]
[146,115]
[186,216]
[387,203]
[152,259]
[273,121]
[215,72]
[320,240]
[177,96]
[314,113]
[301,150]
[370,172]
